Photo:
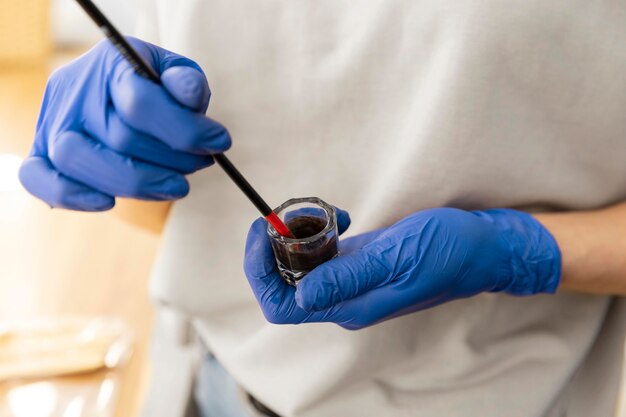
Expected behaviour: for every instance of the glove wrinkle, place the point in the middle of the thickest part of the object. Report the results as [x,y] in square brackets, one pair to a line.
[426,259]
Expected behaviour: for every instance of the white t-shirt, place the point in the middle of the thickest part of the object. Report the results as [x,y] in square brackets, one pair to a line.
[384,108]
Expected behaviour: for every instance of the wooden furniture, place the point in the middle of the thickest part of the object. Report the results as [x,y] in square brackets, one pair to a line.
[24,32]
[56,262]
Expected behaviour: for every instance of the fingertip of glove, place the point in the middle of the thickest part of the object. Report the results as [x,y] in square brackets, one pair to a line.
[218,142]
[175,187]
[258,227]
[259,259]
[343,220]
[23,173]
[188,86]
[302,299]
[311,296]
[96,202]
[90,201]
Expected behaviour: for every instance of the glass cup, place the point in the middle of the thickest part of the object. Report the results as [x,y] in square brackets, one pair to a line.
[314,225]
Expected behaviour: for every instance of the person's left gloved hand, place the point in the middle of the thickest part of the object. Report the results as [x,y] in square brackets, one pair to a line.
[426,259]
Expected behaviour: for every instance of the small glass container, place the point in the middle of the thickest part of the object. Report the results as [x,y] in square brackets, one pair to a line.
[314,225]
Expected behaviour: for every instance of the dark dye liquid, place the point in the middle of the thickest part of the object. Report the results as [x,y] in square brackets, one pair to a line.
[296,259]
[306,226]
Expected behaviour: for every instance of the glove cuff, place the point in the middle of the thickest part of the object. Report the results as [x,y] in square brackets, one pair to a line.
[531,255]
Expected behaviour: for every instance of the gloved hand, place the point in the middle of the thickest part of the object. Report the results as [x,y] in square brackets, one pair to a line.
[104,131]
[426,259]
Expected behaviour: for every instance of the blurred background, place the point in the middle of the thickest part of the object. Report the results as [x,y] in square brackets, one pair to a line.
[73,297]
[75,318]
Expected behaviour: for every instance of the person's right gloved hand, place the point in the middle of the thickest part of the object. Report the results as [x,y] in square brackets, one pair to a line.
[106,132]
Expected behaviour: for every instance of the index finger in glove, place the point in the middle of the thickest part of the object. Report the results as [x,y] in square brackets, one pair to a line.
[148,107]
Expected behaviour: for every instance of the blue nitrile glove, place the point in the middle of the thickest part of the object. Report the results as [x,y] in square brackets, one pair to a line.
[106,132]
[426,259]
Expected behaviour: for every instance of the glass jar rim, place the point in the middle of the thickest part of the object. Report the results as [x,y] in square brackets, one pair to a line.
[328,209]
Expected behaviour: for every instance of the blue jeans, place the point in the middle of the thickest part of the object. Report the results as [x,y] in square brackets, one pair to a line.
[216,393]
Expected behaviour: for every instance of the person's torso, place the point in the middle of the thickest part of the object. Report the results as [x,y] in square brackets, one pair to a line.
[384,108]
